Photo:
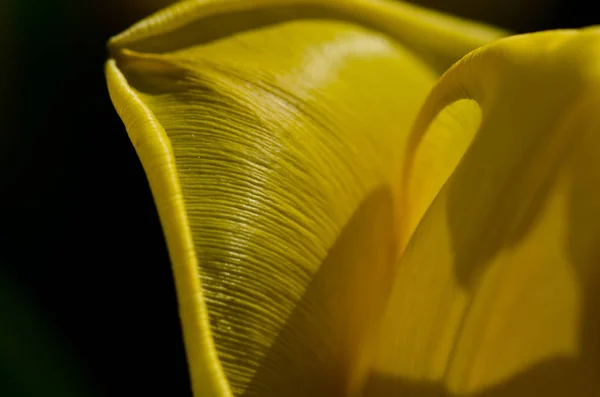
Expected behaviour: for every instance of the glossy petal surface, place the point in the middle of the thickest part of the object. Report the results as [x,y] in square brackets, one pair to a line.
[497,293]
[272,134]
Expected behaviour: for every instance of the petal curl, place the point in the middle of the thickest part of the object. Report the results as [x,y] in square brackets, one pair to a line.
[272,134]
[436,38]
[497,293]
[256,175]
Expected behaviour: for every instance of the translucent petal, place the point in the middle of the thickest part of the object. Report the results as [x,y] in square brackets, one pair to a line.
[497,293]
[272,134]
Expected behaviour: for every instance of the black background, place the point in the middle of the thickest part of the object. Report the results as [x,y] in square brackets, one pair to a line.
[79,234]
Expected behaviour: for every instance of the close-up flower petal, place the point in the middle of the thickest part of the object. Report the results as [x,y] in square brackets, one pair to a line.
[497,292]
[303,198]
[344,220]
[272,137]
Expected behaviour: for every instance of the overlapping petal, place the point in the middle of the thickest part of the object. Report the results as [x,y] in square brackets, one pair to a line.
[497,293]
[273,133]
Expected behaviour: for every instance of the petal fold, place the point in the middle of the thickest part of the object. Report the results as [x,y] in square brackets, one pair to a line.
[497,292]
[272,133]
[436,38]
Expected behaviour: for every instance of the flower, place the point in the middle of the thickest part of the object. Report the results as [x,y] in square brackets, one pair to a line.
[343,221]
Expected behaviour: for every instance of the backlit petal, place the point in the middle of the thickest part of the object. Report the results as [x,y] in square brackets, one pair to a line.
[498,291]
[272,133]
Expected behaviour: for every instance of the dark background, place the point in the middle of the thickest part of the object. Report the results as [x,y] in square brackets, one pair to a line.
[87,303]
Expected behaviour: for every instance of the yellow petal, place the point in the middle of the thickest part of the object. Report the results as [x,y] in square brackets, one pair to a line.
[272,134]
[498,291]
[438,39]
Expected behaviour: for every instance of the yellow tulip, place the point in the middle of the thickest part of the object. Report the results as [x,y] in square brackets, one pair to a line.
[342,221]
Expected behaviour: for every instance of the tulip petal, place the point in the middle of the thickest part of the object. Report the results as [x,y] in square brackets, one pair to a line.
[257,169]
[272,135]
[436,38]
[497,293]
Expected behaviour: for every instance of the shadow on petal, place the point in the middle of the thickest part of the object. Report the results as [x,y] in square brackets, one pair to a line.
[325,347]
[558,376]
[553,377]
[497,294]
